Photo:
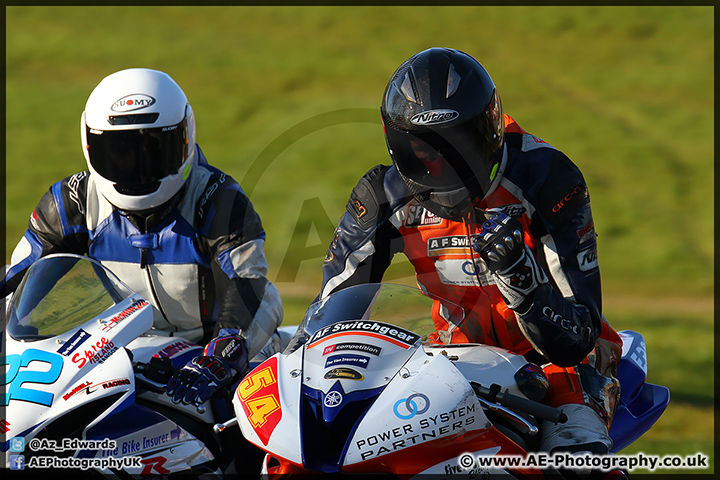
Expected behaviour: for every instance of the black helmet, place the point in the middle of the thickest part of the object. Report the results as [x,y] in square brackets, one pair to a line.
[444,129]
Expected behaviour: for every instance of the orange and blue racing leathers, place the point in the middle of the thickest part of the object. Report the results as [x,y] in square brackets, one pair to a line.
[564,327]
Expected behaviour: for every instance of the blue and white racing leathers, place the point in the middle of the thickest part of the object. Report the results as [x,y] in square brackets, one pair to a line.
[199,259]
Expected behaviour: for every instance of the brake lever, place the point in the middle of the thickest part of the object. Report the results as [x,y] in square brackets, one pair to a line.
[515,402]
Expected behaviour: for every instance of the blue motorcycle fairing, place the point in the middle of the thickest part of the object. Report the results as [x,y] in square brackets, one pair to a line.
[641,403]
[328,422]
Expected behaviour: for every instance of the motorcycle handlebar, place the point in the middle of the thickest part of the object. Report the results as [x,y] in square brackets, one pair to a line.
[515,402]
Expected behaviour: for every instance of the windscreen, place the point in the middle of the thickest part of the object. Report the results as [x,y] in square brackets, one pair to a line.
[397,305]
[60,292]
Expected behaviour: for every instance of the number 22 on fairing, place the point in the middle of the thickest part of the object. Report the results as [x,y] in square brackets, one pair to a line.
[16,378]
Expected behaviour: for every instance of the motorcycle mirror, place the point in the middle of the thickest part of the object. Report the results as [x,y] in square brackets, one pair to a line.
[219,427]
[532,382]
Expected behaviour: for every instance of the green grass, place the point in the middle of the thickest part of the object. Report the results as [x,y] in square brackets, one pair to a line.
[680,357]
[287,102]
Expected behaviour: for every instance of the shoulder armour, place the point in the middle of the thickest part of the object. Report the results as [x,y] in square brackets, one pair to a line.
[223,208]
[70,198]
[368,200]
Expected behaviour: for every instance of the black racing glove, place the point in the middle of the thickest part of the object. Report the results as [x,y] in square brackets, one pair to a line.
[500,245]
[198,380]
[223,359]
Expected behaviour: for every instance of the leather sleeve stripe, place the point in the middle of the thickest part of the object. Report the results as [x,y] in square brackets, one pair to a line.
[556,271]
[67,229]
[351,264]
[247,260]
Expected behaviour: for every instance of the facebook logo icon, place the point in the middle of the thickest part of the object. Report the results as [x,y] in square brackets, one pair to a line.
[17,462]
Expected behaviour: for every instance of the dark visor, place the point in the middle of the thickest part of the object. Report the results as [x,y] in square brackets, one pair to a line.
[137,158]
[443,158]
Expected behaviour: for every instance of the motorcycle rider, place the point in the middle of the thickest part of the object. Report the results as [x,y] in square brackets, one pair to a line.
[175,229]
[496,220]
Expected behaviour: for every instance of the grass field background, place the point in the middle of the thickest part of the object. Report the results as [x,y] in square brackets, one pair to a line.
[287,102]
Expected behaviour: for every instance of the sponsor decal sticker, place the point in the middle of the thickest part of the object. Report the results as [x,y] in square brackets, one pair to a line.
[88,388]
[411,407]
[433,117]
[360,347]
[347,359]
[73,342]
[580,189]
[398,336]
[452,245]
[77,389]
[129,103]
[174,348]
[419,216]
[135,443]
[418,429]
[588,258]
[634,349]
[463,272]
[333,399]
[98,353]
[586,233]
[513,210]
[154,464]
[116,383]
[343,373]
[109,324]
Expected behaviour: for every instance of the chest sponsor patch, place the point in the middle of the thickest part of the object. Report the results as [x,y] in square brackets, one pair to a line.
[419,216]
[451,245]
[462,272]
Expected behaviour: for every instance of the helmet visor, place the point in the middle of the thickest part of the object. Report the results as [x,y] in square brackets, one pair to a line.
[444,158]
[419,160]
[137,159]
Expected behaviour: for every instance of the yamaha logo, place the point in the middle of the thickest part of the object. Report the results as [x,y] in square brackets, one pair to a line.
[432,117]
[129,103]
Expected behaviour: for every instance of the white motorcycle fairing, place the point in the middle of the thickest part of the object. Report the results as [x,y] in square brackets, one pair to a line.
[358,394]
[71,324]
[365,386]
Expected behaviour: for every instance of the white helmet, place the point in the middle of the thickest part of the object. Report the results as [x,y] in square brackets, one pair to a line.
[138,136]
